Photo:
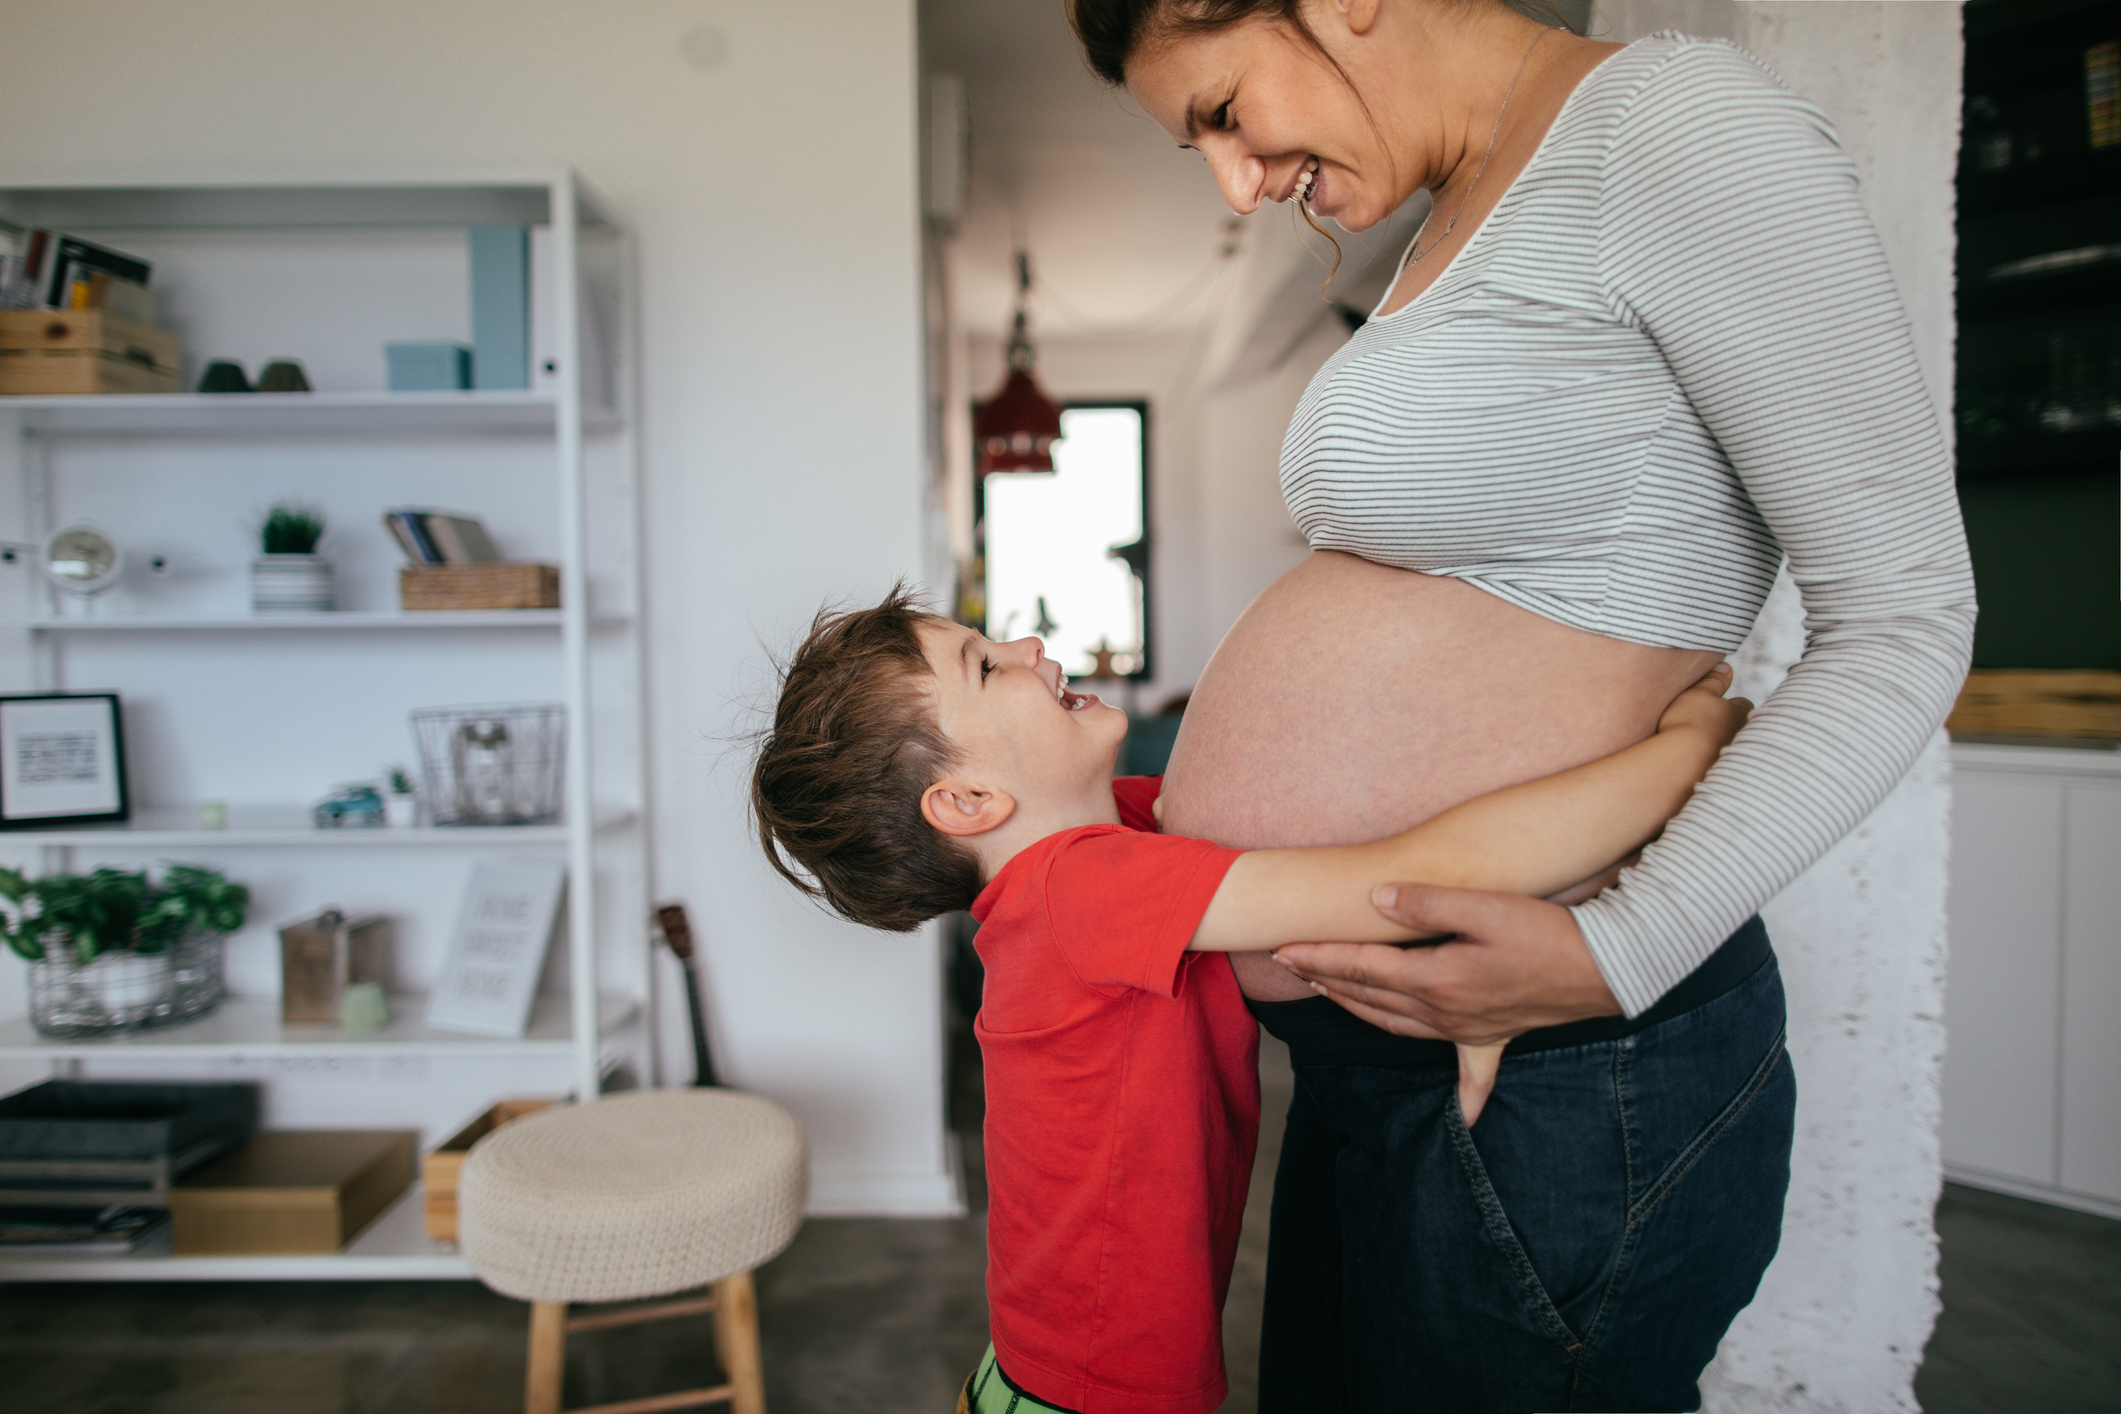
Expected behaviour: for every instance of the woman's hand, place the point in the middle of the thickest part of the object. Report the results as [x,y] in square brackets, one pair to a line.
[1516,964]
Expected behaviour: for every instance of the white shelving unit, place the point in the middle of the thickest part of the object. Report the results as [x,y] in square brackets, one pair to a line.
[268,712]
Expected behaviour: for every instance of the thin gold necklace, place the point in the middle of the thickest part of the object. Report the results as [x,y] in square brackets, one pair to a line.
[1414,256]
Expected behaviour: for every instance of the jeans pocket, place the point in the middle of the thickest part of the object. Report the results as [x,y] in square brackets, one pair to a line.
[1698,1147]
[1532,1292]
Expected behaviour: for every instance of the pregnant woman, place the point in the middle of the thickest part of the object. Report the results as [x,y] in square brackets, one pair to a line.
[1645,348]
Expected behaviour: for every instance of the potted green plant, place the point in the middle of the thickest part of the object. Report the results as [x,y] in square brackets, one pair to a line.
[401,806]
[189,916]
[108,950]
[289,576]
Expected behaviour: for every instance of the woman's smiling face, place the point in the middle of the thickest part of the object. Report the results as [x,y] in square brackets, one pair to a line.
[1274,118]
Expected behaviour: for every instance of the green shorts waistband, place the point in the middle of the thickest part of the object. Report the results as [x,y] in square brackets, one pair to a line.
[991,1391]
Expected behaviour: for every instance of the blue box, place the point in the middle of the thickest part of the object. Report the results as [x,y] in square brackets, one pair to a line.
[428,368]
[500,306]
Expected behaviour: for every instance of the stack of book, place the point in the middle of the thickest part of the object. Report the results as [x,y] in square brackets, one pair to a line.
[439,537]
[46,269]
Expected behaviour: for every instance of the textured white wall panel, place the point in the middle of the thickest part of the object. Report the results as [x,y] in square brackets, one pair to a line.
[1844,1312]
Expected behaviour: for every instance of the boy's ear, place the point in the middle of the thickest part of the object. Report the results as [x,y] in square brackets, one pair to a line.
[957,806]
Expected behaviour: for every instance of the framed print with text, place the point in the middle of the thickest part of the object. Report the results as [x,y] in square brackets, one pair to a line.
[62,760]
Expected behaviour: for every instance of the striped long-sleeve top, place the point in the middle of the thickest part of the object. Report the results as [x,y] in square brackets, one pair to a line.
[1672,356]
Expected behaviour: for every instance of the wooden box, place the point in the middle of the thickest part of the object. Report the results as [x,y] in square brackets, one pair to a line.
[299,1191]
[2034,702]
[439,1170]
[46,351]
[498,585]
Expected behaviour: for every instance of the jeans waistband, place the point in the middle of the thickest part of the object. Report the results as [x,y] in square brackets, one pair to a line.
[1319,1031]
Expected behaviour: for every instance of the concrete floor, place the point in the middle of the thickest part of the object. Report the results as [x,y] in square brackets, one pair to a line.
[864,1315]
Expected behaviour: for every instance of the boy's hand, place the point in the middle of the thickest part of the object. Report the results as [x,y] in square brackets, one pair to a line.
[1476,1078]
[1704,708]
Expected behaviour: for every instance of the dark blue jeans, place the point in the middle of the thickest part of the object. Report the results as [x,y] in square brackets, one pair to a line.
[1583,1248]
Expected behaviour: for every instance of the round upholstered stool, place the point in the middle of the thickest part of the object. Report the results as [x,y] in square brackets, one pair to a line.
[636,1195]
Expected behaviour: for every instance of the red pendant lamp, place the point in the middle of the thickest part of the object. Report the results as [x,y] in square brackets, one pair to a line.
[1017,427]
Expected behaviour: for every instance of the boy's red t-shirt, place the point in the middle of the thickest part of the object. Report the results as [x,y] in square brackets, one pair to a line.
[1122,1078]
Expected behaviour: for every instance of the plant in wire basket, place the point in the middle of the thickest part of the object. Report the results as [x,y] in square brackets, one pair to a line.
[112,949]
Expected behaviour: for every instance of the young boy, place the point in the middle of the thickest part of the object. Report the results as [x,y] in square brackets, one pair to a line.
[914,768]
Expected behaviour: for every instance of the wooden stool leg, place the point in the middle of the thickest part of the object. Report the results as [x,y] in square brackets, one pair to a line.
[736,1341]
[548,1357]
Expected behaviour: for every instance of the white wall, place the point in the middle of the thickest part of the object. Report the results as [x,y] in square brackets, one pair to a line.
[1844,1313]
[772,194]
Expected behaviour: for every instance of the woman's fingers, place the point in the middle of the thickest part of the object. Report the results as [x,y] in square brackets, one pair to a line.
[1476,1079]
[1379,982]
[1515,964]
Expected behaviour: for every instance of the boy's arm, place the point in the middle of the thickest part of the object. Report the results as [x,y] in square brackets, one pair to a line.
[1533,839]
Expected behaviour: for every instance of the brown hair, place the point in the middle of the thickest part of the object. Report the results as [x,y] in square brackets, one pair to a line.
[836,790]
[1113,31]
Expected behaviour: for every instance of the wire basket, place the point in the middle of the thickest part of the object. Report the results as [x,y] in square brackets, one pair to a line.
[498,764]
[115,992]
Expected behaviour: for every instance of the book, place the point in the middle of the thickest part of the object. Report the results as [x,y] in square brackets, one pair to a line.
[76,259]
[26,272]
[406,528]
[95,1230]
[13,240]
[500,306]
[121,298]
[402,533]
[460,540]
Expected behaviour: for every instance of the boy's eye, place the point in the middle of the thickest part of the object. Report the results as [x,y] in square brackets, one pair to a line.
[1220,119]
[986,666]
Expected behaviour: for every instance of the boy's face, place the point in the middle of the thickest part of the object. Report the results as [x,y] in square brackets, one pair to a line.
[1007,710]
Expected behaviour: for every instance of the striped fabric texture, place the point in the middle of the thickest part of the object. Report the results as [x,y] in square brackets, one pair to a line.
[1671,357]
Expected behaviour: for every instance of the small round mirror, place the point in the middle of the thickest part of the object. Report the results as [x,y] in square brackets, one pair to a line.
[81,559]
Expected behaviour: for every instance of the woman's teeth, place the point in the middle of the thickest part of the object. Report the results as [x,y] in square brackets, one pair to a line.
[1304,181]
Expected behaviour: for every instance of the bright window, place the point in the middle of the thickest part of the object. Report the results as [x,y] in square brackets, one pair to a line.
[1048,540]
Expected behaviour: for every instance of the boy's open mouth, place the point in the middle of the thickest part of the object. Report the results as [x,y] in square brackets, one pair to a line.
[1075,701]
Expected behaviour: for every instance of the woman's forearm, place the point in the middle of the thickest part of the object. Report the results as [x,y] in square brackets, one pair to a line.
[1798,360]
[1532,838]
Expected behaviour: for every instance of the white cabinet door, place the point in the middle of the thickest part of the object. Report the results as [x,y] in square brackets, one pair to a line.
[2091,993]
[2003,981]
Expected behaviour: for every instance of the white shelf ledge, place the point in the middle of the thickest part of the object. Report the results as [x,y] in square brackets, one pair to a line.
[290,826]
[282,623]
[251,1026]
[272,413]
[386,621]
[393,1247]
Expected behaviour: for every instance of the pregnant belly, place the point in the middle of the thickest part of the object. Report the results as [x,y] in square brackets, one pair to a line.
[1352,701]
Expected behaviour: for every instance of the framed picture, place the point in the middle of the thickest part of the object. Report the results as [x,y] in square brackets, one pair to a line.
[62,760]
[491,977]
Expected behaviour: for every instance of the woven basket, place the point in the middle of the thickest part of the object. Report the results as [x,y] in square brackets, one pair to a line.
[483,586]
[2038,702]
